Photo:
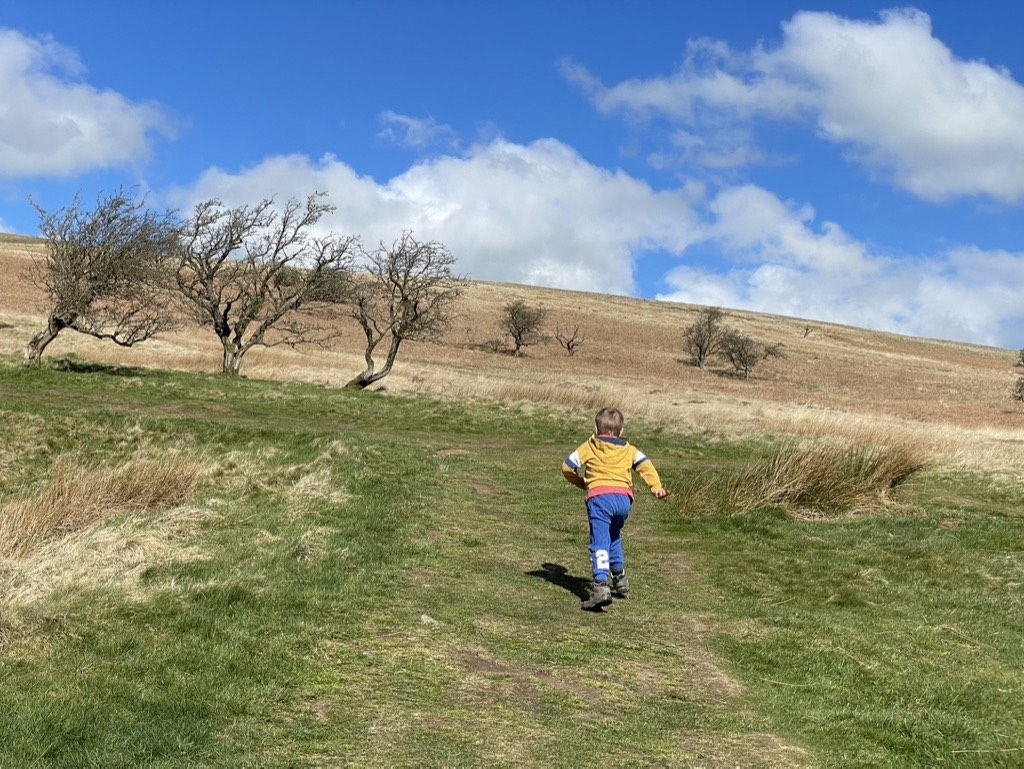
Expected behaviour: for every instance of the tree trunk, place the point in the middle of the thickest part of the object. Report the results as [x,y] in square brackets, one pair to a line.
[38,343]
[369,375]
[232,363]
[360,382]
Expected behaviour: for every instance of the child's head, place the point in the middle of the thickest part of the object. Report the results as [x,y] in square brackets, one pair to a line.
[609,421]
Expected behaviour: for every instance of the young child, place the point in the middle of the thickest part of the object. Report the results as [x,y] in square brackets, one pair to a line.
[608,463]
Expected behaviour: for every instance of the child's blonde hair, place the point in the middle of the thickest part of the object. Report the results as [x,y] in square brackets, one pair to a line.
[609,421]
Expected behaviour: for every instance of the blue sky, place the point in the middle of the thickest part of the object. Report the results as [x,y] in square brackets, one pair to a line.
[850,162]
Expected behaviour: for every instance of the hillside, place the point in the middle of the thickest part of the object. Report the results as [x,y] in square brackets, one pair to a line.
[833,379]
[200,571]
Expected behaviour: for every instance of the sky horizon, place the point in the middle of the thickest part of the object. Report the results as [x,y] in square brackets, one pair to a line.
[851,162]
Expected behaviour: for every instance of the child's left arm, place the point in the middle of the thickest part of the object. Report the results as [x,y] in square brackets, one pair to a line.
[645,469]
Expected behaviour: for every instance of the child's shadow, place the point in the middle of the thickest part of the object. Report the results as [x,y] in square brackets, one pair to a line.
[557,574]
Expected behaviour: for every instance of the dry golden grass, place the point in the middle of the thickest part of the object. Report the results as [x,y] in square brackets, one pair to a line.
[106,555]
[79,496]
[950,398]
[62,537]
[827,477]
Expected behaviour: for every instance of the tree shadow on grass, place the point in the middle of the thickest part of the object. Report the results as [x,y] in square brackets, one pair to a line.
[77,366]
[557,574]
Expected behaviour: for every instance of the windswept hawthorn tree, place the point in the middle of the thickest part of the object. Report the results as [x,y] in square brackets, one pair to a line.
[703,338]
[248,273]
[523,323]
[105,272]
[406,292]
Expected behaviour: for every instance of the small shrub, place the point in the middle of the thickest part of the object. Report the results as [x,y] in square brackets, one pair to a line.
[744,352]
[1018,389]
[741,351]
[79,496]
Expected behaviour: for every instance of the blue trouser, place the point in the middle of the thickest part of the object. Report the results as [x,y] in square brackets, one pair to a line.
[607,514]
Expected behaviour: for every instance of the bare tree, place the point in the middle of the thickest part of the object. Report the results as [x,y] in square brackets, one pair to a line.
[570,342]
[740,350]
[249,272]
[744,353]
[1017,393]
[523,323]
[703,338]
[407,293]
[104,271]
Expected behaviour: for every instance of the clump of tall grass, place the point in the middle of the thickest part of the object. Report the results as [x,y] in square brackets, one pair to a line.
[80,495]
[814,479]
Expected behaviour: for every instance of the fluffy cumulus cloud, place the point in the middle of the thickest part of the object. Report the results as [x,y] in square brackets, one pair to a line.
[53,124]
[539,214]
[785,263]
[536,214]
[890,92]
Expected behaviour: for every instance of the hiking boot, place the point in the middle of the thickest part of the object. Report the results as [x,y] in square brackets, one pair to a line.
[600,596]
[620,585]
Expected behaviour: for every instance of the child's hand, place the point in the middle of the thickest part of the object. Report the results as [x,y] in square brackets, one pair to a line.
[662,493]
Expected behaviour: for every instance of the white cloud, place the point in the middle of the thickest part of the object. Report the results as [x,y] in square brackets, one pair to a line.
[52,124]
[751,221]
[416,133]
[712,75]
[536,214]
[941,126]
[902,103]
[785,265]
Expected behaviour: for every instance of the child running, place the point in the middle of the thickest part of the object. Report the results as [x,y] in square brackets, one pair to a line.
[607,463]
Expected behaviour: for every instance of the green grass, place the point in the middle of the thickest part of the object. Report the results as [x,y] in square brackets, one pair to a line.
[382,581]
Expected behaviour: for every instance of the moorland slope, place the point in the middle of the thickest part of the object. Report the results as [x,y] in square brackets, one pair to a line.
[951,397]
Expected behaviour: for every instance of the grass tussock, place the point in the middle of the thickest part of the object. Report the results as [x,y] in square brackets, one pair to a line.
[816,479]
[117,554]
[79,496]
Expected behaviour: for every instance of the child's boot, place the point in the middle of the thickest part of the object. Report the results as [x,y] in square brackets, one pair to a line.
[600,596]
[620,585]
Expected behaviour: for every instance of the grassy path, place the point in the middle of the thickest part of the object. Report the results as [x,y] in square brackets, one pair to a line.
[382,581]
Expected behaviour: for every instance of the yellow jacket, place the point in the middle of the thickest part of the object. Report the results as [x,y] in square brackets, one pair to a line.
[608,463]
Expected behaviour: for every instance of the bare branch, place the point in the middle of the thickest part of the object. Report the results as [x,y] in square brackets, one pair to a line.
[570,342]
